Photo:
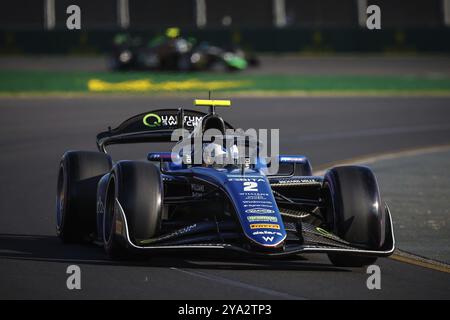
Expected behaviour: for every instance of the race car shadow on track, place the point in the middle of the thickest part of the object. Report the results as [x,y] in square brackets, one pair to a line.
[50,249]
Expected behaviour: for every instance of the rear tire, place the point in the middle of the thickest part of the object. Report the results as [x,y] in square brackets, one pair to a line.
[137,185]
[79,173]
[355,212]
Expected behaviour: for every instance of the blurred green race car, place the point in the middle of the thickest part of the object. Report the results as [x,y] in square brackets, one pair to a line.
[172,52]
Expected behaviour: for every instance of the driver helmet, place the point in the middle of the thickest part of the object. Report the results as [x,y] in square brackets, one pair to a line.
[214,153]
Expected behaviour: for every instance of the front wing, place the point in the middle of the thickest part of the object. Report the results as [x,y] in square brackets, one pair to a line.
[203,236]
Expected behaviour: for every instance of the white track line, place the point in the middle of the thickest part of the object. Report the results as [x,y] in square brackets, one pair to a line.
[238,284]
[368,159]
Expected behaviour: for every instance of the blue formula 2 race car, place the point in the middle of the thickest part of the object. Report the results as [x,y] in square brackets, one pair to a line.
[170,202]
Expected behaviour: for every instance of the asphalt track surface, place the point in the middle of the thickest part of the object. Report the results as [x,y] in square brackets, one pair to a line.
[379,65]
[36,131]
[417,190]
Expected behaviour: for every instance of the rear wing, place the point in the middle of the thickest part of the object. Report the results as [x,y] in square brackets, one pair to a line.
[152,126]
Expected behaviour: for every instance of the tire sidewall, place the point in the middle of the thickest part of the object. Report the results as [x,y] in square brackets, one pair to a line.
[62,204]
[111,244]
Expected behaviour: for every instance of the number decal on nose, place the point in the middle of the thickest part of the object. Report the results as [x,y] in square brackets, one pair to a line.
[251,186]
